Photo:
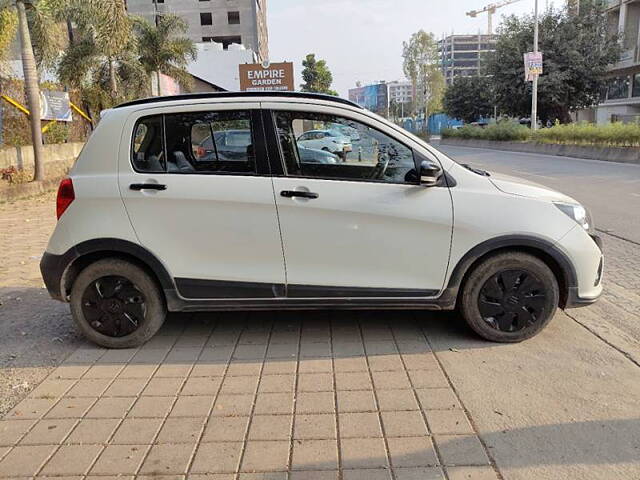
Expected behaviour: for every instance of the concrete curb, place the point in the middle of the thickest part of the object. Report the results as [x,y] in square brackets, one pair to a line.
[24,190]
[607,154]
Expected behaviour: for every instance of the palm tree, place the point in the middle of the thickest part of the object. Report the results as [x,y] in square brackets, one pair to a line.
[162,49]
[102,59]
[28,15]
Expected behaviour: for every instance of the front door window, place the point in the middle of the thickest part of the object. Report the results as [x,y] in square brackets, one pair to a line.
[337,148]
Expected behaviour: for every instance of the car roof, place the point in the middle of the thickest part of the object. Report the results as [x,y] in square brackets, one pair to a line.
[240,95]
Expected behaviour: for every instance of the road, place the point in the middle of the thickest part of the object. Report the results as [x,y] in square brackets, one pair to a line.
[610,190]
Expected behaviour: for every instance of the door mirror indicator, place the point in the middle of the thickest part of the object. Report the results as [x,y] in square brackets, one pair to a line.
[430,174]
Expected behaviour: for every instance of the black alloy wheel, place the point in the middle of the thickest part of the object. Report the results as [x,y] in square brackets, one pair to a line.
[113,306]
[512,300]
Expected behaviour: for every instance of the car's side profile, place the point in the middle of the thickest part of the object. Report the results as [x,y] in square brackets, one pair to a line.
[333,141]
[161,213]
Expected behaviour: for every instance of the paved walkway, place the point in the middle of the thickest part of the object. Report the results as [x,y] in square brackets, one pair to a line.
[250,396]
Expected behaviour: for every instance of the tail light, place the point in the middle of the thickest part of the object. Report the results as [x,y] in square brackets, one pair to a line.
[66,195]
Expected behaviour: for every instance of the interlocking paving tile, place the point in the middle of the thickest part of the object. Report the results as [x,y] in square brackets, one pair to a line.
[363,453]
[471,473]
[318,426]
[265,456]
[420,473]
[119,460]
[270,427]
[96,431]
[404,424]
[71,460]
[217,457]
[137,431]
[315,402]
[12,430]
[250,397]
[412,452]
[181,430]
[448,421]
[225,429]
[437,399]
[167,459]
[315,455]
[49,432]
[461,450]
[397,400]
[356,401]
[25,461]
[367,474]
[362,424]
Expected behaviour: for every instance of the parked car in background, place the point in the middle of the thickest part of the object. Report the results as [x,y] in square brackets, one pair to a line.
[328,140]
[311,155]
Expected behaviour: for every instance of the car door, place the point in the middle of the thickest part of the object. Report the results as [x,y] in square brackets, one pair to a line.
[363,227]
[208,215]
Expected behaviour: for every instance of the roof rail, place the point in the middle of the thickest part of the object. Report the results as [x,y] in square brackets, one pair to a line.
[215,95]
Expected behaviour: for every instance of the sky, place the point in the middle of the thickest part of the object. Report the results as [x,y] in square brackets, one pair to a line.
[361,40]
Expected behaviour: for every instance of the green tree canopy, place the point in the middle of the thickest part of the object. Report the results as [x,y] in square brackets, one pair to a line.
[421,66]
[317,76]
[102,61]
[577,51]
[469,98]
[163,48]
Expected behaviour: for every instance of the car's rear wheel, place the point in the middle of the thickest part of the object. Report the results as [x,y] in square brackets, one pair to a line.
[116,304]
[509,297]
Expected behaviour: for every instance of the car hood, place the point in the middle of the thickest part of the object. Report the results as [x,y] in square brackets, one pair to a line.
[526,188]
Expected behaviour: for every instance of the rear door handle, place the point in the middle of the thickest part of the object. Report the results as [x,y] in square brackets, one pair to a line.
[296,193]
[147,186]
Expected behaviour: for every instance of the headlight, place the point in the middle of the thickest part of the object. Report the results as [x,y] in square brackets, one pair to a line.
[578,213]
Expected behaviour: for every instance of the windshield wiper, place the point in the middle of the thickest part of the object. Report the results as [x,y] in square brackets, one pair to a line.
[477,171]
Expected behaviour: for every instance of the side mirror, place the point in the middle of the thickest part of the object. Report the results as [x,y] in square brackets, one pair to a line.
[430,174]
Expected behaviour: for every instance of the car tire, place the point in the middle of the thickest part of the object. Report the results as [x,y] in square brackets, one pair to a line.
[509,297]
[117,304]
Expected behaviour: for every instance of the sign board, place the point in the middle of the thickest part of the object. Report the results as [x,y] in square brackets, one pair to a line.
[55,106]
[374,98]
[256,77]
[532,65]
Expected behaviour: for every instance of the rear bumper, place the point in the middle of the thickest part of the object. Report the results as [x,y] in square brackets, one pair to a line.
[52,268]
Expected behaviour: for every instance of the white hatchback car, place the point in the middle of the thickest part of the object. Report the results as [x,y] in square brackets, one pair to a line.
[150,221]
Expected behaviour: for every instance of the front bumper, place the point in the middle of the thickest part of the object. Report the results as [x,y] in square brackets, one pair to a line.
[574,300]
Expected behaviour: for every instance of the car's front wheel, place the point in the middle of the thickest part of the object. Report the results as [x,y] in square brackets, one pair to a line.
[509,297]
[117,304]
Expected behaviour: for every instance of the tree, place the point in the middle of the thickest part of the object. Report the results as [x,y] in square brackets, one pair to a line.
[162,49]
[469,98]
[577,51]
[102,61]
[25,17]
[317,76]
[421,66]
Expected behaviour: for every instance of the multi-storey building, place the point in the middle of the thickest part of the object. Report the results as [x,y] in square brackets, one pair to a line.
[620,98]
[223,21]
[461,55]
[400,92]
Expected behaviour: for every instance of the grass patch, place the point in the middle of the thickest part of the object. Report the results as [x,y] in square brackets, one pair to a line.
[607,135]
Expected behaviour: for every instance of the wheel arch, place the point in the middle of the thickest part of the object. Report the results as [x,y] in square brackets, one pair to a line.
[86,253]
[542,249]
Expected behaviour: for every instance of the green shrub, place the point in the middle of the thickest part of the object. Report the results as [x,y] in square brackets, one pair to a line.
[608,135]
[611,134]
[502,132]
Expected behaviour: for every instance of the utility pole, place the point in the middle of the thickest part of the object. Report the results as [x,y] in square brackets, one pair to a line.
[534,93]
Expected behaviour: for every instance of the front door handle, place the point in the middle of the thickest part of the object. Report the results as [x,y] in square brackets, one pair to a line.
[147,186]
[297,193]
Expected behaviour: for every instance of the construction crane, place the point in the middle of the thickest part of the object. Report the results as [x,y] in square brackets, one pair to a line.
[491,9]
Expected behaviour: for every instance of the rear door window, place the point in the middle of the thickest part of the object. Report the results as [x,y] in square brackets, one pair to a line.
[195,142]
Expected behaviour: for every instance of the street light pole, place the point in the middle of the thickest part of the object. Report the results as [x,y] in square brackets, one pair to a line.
[534,95]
